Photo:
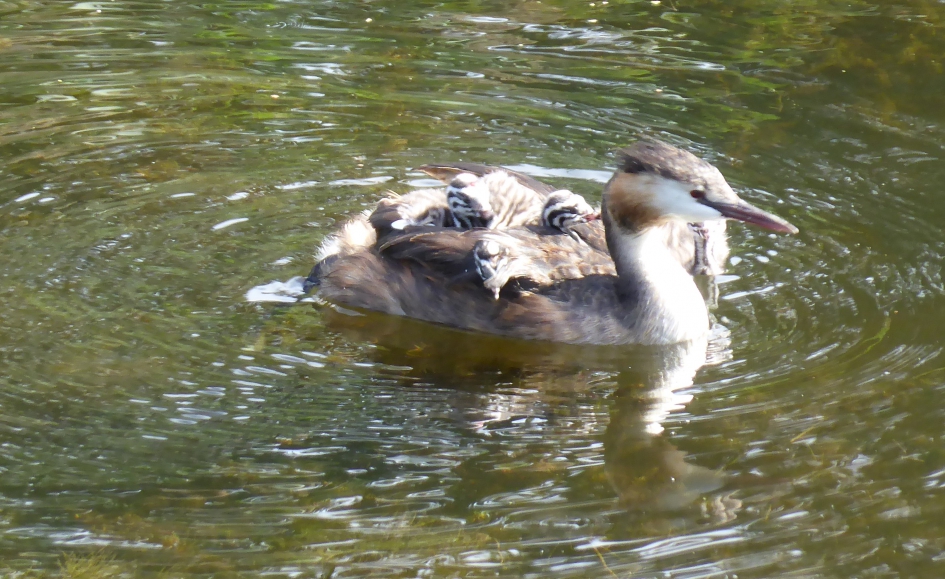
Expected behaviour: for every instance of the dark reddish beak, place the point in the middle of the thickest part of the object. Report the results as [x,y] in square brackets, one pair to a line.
[750,214]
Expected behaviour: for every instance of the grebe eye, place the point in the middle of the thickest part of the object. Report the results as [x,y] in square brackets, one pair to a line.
[697,194]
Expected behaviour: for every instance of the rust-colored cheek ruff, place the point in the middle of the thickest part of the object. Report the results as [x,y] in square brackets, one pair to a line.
[629,200]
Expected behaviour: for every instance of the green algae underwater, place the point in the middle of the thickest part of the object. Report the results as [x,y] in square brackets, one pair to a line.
[160,160]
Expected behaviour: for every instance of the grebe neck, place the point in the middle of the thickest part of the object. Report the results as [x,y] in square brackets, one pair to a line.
[666,304]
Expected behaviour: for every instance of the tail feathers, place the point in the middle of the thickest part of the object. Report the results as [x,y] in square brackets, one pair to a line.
[355,235]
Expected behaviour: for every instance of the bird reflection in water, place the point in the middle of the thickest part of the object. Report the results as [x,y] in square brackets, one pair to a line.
[506,386]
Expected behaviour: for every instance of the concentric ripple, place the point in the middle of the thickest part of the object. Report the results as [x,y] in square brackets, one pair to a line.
[159,162]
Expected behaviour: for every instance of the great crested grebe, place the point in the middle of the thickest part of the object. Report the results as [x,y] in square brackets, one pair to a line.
[652,299]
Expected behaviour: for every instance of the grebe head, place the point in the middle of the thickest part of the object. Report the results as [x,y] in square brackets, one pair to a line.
[564,209]
[656,182]
[492,261]
[469,202]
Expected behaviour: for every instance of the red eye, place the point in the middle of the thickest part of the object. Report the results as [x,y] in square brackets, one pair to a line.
[697,194]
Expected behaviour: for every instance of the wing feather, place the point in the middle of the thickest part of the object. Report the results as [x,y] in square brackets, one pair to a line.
[445,172]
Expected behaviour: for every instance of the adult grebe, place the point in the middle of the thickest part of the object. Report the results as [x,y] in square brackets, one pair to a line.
[651,300]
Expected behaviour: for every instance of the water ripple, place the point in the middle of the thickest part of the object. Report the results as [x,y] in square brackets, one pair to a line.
[147,401]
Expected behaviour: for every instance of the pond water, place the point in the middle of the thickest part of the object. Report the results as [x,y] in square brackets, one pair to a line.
[160,159]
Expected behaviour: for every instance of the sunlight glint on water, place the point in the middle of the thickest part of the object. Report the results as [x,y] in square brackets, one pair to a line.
[159,162]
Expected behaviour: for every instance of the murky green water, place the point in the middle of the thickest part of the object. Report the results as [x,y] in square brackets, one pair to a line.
[159,159]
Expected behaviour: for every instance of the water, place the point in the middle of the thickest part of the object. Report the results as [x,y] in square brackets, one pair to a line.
[159,160]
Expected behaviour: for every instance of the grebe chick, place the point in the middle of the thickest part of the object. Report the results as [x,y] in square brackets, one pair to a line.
[496,200]
[564,209]
[418,208]
[469,201]
[711,248]
[491,261]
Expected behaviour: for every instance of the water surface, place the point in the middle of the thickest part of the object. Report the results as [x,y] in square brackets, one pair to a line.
[159,160]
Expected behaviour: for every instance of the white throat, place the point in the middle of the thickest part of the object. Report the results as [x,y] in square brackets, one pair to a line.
[670,306]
